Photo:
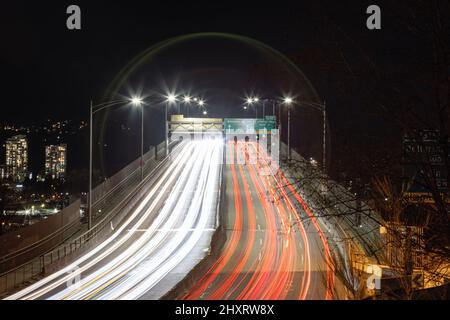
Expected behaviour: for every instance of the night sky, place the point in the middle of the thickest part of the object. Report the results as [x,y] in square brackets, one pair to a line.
[51,72]
[48,69]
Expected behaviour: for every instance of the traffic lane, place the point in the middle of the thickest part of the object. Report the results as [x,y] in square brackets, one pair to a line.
[246,251]
[256,274]
[128,233]
[178,246]
[119,276]
[318,266]
[233,231]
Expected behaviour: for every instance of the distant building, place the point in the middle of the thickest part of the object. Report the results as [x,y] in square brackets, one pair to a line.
[56,161]
[3,172]
[17,158]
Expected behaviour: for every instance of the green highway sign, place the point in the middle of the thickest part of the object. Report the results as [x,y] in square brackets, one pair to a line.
[249,125]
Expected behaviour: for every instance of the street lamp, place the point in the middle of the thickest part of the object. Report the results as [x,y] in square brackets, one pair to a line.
[137,102]
[171,98]
[288,101]
[100,107]
[187,101]
[251,101]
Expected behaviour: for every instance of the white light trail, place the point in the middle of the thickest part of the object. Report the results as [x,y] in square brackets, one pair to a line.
[40,288]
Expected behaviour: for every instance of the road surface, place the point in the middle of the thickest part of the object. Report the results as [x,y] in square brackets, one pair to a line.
[275,248]
[163,238]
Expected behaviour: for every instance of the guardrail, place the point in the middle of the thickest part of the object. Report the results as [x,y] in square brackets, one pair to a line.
[113,199]
[26,243]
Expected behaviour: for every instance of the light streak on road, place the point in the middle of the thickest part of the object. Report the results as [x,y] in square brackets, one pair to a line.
[323,238]
[245,270]
[146,247]
[268,254]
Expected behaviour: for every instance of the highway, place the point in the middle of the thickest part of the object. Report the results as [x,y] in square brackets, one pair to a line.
[275,247]
[163,237]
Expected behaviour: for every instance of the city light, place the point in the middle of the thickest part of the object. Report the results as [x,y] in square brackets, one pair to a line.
[251,100]
[288,100]
[136,101]
[171,98]
[296,187]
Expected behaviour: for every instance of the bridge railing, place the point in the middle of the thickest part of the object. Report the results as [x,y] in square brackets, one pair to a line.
[110,199]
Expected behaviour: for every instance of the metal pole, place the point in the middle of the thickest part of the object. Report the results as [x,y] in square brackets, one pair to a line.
[289,133]
[279,113]
[90,169]
[273,108]
[142,142]
[324,151]
[264,108]
[167,129]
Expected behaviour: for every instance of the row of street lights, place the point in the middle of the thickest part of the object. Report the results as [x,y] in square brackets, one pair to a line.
[137,102]
[188,100]
[289,101]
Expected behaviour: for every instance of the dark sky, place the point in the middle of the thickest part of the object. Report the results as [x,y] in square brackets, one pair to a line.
[50,72]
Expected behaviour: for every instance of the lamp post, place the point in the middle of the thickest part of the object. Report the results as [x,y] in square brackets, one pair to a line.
[322,108]
[255,101]
[264,101]
[249,102]
[288,101]
[264,108]
[201,104]
[187,102]
[171,98]
[100,107]
[138,102]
